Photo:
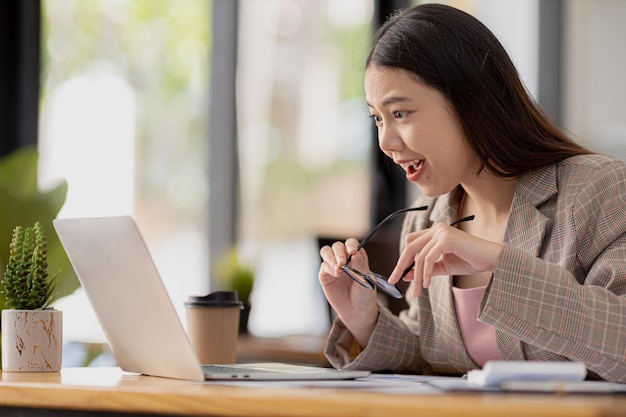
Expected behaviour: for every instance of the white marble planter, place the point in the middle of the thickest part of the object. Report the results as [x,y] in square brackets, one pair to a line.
[32,340]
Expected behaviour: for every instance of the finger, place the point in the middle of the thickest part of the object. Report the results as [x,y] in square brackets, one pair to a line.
[434,254]
[352,246]
[340,253]
[326,253]
[407,272]
[416,287]
[393,279]
[405,261]
[326,270]
[410,237]
[423,268]
[405,267]
[327,274]
[424,261]
[329,257]
[429,262]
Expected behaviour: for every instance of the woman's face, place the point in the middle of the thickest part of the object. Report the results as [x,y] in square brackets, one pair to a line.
[418,128]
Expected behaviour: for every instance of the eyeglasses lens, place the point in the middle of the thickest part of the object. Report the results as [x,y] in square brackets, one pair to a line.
[372,280]
[381,283]
[357,276]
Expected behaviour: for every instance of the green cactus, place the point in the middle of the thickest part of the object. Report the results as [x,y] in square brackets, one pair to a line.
[25,284]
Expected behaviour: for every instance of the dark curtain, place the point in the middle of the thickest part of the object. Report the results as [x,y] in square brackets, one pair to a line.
[20,22]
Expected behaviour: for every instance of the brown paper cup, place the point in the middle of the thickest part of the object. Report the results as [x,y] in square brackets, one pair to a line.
[213,325]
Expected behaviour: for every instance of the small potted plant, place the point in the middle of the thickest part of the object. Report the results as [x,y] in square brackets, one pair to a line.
[237,275]
[31,329]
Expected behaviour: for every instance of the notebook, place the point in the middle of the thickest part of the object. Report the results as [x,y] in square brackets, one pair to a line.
[137,316]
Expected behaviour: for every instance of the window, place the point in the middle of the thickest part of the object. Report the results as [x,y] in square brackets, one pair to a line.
[305,145]
[124,121]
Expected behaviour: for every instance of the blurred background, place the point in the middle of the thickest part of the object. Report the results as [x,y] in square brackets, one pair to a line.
[241,125]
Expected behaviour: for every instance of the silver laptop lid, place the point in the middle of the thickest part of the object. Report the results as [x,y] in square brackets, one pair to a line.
[129,299]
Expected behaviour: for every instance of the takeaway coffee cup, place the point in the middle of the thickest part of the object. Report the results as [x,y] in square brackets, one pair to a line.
[213,325]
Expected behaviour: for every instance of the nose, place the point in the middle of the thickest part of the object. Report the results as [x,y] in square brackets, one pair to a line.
[389,140]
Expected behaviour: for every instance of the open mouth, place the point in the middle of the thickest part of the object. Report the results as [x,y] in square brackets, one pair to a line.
[414,166]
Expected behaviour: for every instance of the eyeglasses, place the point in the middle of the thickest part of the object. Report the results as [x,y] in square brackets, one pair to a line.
[374,280]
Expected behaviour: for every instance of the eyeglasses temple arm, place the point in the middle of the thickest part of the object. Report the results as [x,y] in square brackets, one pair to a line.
[385,220]
[379,225]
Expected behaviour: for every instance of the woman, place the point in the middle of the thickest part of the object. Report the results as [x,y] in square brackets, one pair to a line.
[539,274]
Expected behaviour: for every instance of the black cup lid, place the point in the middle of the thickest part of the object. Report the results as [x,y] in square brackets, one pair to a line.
[215,299]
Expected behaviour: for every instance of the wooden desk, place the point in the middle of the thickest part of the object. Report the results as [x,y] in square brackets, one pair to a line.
[108,390]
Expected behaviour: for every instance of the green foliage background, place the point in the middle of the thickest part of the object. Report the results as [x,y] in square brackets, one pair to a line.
[162,49]
[22,203]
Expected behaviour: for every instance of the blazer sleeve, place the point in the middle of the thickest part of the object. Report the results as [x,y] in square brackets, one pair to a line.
[580,315]
[392,347]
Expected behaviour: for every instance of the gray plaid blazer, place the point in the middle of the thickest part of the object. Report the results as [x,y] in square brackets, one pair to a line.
[558,292]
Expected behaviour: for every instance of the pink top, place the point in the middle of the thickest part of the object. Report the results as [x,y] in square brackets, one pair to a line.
[479,338]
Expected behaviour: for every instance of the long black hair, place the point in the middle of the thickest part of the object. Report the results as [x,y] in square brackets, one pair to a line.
[456,54]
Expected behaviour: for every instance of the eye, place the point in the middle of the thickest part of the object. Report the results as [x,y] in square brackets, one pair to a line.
[377,119]
[398,114]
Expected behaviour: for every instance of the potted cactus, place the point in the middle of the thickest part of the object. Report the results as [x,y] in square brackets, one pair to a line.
[31,329]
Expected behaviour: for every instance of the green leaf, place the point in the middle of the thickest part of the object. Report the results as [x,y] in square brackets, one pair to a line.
[18,172]
[21,203]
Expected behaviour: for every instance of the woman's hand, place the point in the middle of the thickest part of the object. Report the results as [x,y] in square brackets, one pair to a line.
[355,305]
[443,250]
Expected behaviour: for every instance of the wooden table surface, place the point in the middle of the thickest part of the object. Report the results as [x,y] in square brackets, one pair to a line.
[111,390]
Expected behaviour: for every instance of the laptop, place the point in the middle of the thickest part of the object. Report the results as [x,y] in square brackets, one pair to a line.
[137,316]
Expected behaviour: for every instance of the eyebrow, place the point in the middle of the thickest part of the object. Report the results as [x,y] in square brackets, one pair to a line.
[391,100]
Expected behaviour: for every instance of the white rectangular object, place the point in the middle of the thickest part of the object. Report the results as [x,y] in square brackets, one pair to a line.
[494,373]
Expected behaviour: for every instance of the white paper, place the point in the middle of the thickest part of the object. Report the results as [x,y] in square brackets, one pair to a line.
[383,383]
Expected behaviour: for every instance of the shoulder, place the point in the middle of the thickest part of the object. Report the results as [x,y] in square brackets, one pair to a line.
[593,177]
[597,187]
[565,179]
[592,167]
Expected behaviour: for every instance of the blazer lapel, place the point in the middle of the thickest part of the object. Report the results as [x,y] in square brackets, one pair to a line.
[526,229]
[440,292]
[444,315]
